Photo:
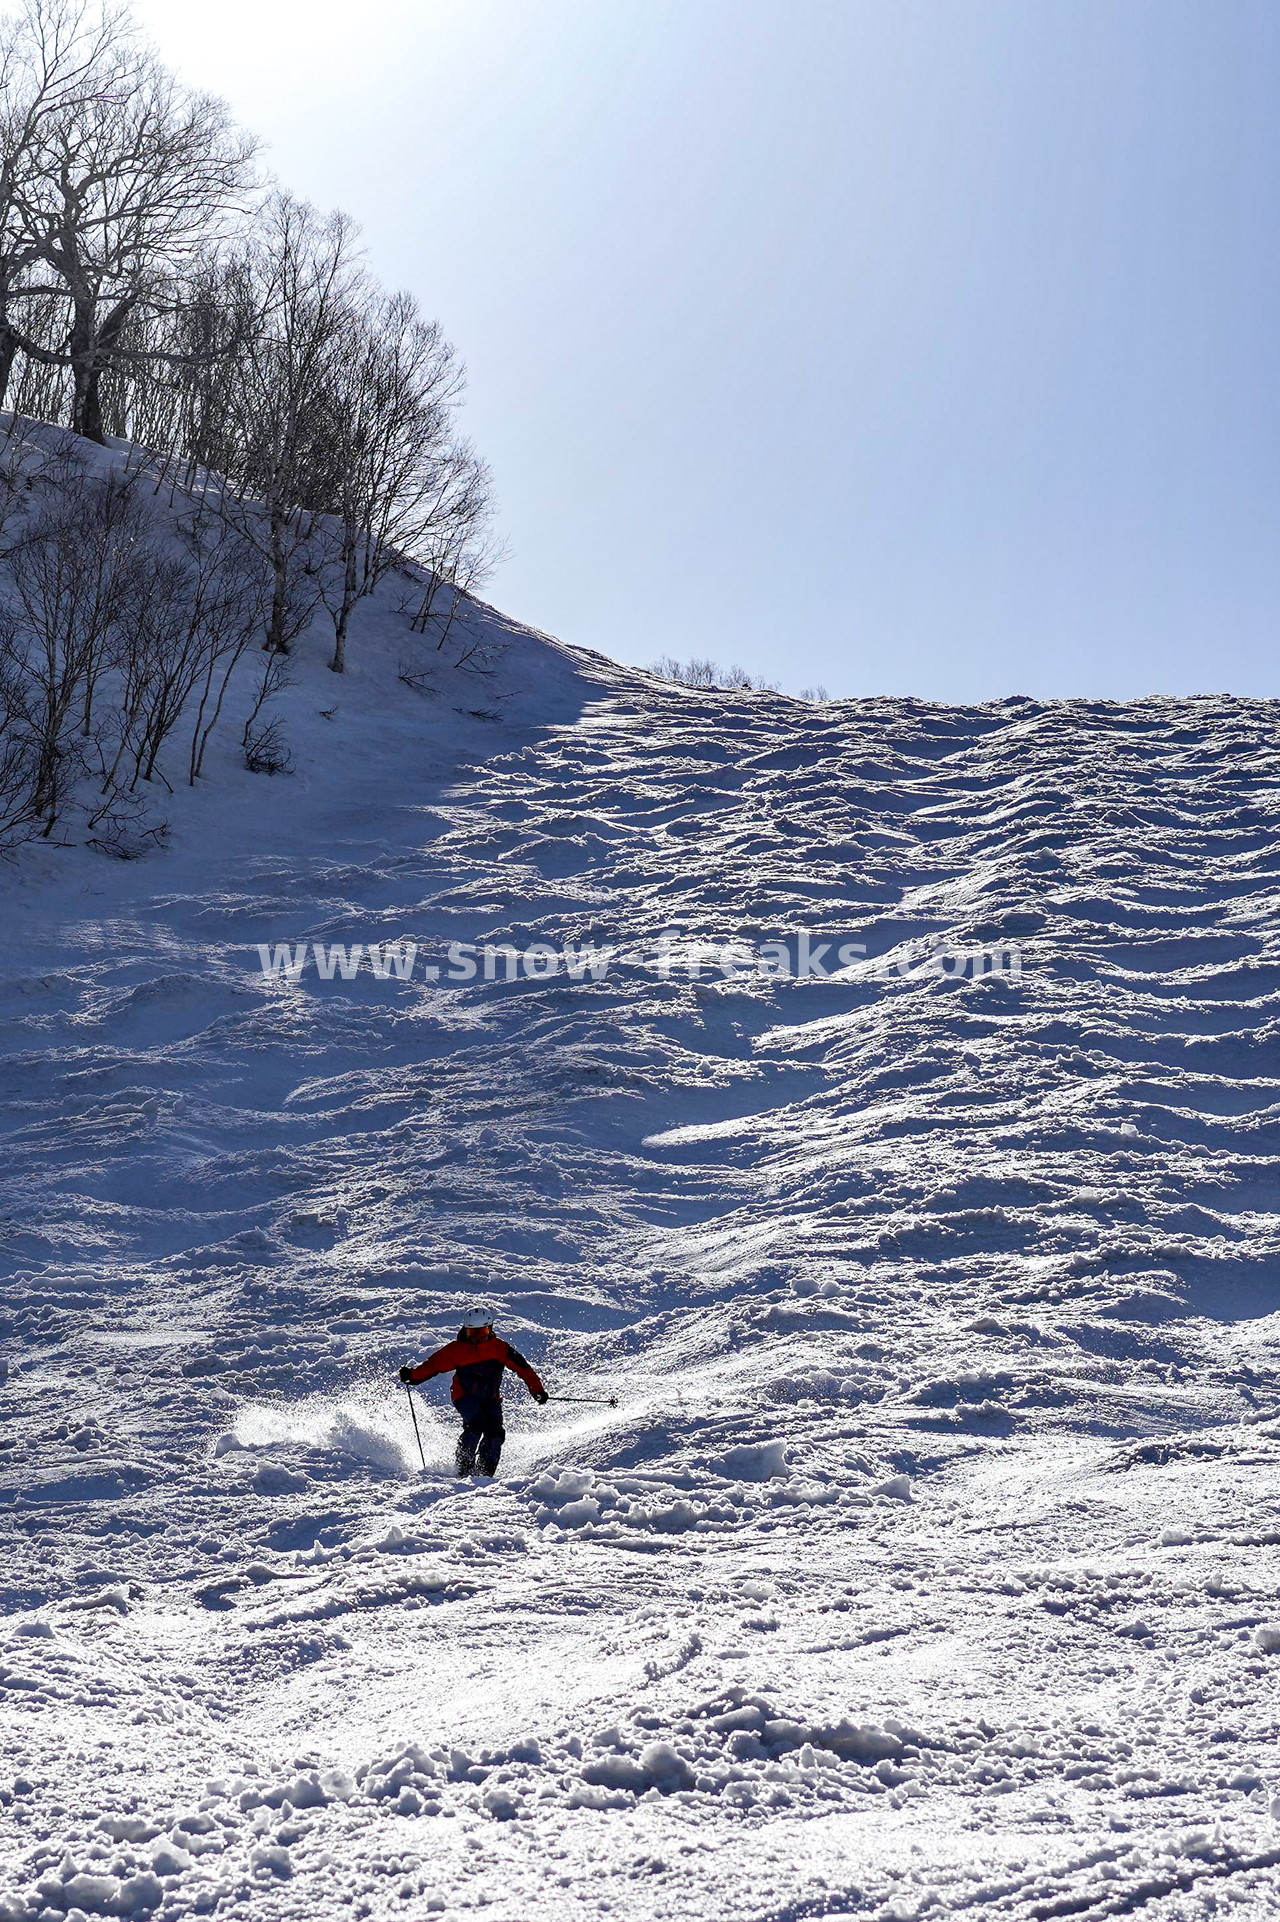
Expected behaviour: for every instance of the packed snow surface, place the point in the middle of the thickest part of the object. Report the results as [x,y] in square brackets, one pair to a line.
[928,1562]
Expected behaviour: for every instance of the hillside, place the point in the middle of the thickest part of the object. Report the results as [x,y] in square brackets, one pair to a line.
[928,1563]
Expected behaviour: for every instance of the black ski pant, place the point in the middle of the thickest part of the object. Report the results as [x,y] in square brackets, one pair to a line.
[480,1443]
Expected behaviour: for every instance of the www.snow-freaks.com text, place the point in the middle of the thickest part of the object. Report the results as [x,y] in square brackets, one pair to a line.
[802,957]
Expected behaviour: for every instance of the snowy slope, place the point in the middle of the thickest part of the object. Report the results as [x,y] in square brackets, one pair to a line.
[929,1562]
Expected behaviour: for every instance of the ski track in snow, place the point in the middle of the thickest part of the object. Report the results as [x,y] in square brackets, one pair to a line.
[929,1562]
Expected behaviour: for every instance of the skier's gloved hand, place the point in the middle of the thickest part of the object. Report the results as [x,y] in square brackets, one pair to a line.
[541,1396]
[405,1374]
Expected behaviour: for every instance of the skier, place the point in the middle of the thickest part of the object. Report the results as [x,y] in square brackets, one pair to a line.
[478,1357]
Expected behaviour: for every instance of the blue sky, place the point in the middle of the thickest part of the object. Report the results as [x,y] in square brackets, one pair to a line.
[905,346]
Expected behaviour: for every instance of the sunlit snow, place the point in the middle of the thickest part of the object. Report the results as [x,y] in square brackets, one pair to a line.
[929,1561]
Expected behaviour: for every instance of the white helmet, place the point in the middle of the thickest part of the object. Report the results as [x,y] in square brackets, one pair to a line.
[478,1316]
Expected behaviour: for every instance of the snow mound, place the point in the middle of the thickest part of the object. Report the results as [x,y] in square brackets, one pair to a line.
[755,1461]
[939,1304]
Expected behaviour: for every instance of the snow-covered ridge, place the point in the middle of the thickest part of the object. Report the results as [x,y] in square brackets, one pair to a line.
[929,1561]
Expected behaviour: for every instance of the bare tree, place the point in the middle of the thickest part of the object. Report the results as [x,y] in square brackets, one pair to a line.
[122,178]
[175,384]
[19,757]
[702,673]
[263,739]
[454,547]
[391,423]
[301,422]
[70,574]
[189,617]
[53,58]
[228,611]
[280,453]
[152,682]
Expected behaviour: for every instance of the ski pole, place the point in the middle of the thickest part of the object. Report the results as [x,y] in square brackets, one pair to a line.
[595,1401]
[413,1411]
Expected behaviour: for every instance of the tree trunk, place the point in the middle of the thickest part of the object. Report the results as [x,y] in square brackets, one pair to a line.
[349,593]
[8,354]
[90,409]
[276,642]
[89,390]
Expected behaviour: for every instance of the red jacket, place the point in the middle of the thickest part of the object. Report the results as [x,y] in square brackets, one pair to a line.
[479,1362]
